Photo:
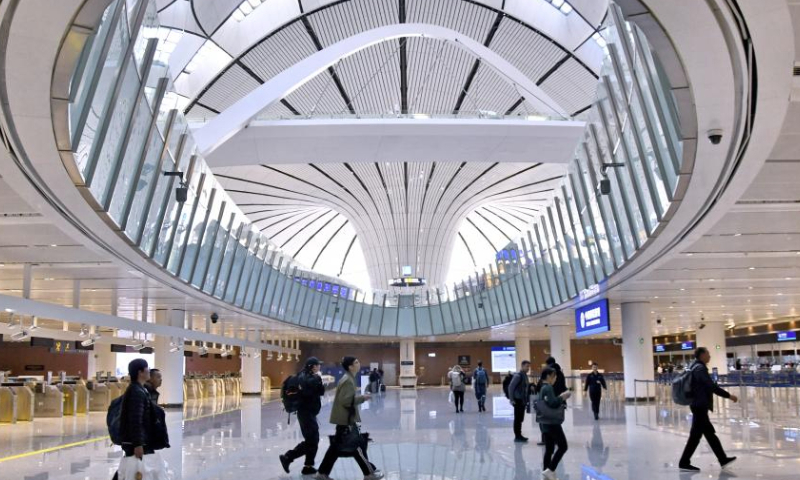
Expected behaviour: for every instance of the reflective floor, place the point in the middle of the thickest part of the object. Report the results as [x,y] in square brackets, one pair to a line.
[417,436]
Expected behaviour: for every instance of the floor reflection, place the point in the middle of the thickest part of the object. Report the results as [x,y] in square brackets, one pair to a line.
[417,436]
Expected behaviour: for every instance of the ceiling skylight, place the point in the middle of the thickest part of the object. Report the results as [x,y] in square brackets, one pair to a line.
[245,9]
[562,6]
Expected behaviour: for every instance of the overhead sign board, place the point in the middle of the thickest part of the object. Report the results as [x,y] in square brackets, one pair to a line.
[592,318]
[660,348]
[687,346]
[787,336]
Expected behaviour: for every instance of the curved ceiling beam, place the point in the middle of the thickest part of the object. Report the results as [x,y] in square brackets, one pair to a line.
[225,125]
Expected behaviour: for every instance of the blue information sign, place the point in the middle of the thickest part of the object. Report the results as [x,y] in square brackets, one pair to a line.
[787,336]
[592,318]
[660,348]
[687,346]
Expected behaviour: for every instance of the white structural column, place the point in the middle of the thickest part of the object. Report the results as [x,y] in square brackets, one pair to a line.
[712,336]
[408,368]
[560,346]
[522,347]
[101,359]
[637,350]
[251,372]
[171,364]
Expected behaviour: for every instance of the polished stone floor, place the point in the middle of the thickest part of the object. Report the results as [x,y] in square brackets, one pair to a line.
[417,436]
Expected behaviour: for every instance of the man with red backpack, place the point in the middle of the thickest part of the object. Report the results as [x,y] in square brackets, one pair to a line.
[308,391]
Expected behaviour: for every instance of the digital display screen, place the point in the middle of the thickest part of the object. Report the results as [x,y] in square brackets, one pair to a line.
[592,318]
[504,359]
[787,336]
[687,346]
[407,271]
[660,348]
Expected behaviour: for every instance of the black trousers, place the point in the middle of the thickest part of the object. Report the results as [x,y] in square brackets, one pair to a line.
[553,437]
[701,427]
[595,398]
[308,447]
[333,454]
[458,399]
[519,417]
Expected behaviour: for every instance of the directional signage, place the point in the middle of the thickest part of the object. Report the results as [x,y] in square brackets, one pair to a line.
[592,318]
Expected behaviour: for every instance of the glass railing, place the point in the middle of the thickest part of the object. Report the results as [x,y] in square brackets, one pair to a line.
[126,131]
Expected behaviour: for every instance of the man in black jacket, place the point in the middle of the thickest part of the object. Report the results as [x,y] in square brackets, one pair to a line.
[153,384]
[703,391]
[311,390]
[561,383]
[135,422]
[519,394]
[595,384]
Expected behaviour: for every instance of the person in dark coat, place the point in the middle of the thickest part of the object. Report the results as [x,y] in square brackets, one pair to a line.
[135,422]
[311,390]
[519,394]
[153,384]
[561,383]
[703,391]
[480,381]
[595,384]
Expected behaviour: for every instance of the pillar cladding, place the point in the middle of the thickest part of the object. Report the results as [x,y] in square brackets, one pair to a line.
[171,364]
[251,372]
[712,336]
[522,347]
[560,346]
[408,370]
[637,350]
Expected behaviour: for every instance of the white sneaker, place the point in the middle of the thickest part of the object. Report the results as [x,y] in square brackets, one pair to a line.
[322,476]
[376,475]
[549,475]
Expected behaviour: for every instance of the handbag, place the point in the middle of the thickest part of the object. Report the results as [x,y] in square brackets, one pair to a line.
[349,439]
[547,415]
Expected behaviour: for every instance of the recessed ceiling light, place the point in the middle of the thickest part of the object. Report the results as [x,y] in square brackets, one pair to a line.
[752,268]
[655,297]
[737,234]
[779,294]
[683,289]
[719,294]
[53,245]
[749,288]
[788,278]
[690,254]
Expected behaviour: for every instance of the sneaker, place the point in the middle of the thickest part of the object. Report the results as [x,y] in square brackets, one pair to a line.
[308,470]
[376,475]
[322,476]
[727,462]
[688,468]
[285,462]
[549,475]
[520,439]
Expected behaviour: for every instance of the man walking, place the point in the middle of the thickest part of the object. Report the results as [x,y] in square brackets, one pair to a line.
[311,389]
[595,384]
[519,394]
[703,390]
[480,381]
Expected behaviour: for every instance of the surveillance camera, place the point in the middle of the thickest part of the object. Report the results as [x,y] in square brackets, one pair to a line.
[715,136]
[701,326]
[658,321]
[605,186]
[182,194]
[214,317]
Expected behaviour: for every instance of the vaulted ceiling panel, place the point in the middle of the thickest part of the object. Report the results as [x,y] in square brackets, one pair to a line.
[371,77]
[465,17]
[236,84]
[572,86]
[280,51]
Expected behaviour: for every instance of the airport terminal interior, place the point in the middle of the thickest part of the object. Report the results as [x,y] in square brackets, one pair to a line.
[441,189]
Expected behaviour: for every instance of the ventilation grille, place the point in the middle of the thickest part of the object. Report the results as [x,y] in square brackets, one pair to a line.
[796,71]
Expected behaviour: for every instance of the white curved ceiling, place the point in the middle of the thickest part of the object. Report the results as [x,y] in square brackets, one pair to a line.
[419,214]
[444,217]
[411,75]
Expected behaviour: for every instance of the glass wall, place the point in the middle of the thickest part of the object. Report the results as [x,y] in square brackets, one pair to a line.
[127,131]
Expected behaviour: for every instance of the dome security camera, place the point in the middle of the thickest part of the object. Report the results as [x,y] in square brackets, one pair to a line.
[214,317]
[715,136]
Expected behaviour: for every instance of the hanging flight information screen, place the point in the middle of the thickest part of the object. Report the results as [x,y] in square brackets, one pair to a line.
[592,318]
[504,359]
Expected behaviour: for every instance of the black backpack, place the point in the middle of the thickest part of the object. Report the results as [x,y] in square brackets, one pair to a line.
[506,383]
[113,419]
[291,393]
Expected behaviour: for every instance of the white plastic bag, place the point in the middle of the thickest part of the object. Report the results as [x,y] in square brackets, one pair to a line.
[152,467]
[451,398]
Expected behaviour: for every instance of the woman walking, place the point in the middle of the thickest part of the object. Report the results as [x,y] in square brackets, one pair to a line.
[457,386]
[550,416]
